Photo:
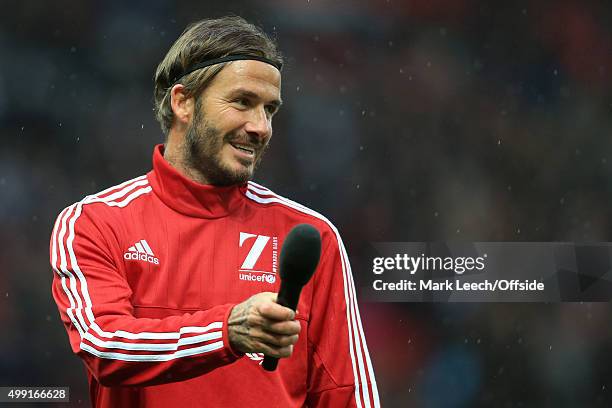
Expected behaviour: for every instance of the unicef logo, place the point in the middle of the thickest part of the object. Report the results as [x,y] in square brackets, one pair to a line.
[270,278]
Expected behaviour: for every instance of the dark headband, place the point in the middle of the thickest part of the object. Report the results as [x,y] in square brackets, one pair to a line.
[227,58]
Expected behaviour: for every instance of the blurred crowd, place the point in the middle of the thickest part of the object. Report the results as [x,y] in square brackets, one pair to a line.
[422,120]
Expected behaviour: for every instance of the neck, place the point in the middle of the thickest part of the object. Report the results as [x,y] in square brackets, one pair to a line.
[176,153]
[189,197]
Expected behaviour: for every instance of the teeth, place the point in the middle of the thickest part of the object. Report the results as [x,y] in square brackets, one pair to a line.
[244,149]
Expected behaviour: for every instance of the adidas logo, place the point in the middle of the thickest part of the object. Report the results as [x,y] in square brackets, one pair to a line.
[257,357]
[141,251]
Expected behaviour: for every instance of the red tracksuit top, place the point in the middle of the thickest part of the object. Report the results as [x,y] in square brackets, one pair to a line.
[147,272]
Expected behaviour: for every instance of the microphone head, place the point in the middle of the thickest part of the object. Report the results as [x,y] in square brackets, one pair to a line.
[300,254]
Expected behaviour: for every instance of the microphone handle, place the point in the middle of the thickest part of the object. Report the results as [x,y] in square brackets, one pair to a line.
[288,296]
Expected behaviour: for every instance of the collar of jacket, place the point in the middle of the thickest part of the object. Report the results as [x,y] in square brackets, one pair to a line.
[188,197]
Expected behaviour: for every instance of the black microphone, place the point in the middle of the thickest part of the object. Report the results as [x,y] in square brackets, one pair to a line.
[298,260]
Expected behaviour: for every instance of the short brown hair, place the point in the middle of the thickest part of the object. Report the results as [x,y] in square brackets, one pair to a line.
[204,40]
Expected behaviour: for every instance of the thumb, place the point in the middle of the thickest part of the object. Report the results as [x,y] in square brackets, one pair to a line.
[269,296]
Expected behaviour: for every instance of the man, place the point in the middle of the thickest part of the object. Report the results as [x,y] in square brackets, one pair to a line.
[166,282]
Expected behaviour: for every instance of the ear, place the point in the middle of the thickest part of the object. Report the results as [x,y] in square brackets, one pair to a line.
[182,105]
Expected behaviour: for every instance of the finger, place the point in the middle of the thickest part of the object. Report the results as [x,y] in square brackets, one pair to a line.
[285,328]
[275,311]
[278,352]
[273,340]
[262,296]
[285,352]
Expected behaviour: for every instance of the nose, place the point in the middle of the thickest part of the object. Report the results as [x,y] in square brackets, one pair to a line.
[259,124]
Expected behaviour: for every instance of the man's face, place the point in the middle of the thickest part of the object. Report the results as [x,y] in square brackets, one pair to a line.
[232,122]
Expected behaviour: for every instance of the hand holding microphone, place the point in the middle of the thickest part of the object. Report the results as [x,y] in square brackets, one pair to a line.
[299,259]
[265,323]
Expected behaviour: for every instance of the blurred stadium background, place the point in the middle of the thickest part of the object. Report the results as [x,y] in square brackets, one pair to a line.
[412,120]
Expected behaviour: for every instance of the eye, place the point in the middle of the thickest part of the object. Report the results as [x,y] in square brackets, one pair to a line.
[244,102]
[271,110]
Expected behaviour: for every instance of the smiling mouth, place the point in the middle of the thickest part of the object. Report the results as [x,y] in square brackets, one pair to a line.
[244,149]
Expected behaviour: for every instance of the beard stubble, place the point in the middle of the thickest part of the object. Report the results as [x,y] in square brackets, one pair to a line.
[204,144]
